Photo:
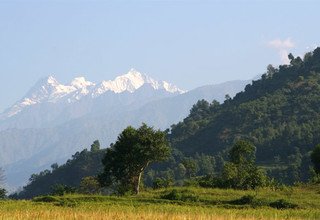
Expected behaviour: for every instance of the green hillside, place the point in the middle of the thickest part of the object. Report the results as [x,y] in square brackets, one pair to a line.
[278,113]
[83,164]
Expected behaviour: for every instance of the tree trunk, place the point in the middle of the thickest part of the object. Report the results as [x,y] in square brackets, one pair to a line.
[137,184]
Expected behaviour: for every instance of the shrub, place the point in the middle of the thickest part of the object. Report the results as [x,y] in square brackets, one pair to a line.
[89,185]
[60,189]
[162,183]
[248,200]
[210,181]
[283,204]
[67,203]
[191,182]
[180,196]
[46,199]
[3,193]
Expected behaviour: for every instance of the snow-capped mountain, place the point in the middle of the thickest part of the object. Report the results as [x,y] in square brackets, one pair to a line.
[53,121]
[132,81]
[50,90]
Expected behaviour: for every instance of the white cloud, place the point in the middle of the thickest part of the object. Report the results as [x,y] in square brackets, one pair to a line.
[282,47]
[281,44]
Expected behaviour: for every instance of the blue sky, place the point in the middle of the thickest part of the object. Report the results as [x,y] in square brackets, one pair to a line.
[188,43]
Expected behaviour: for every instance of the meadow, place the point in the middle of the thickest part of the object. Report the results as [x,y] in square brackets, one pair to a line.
[173,203]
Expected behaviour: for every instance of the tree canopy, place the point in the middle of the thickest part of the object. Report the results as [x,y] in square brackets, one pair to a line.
[241,172]
[278,113]
[315,158]
[133,151]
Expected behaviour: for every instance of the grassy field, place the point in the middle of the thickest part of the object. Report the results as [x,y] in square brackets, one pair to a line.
[173,203]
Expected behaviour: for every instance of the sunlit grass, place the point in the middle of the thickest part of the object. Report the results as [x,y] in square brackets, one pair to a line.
[212,204]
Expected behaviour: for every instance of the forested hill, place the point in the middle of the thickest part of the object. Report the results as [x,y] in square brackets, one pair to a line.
[278,113]
[82,164]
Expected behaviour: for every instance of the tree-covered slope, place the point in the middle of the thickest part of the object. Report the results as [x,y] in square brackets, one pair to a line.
[277,113]
[83,164]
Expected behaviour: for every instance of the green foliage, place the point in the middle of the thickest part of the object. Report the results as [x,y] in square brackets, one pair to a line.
[205,164]
[191,166]
[283,204]
[176,195]
[241,172]
[242,153]
[3,193]
[249,200]
[60,190]
[162,183]
[67,203]
[83,164]
[209,181]
[277,113]
[95,146]
[133,151]
[191,182]
[315,158]
[89,185]
[46,199]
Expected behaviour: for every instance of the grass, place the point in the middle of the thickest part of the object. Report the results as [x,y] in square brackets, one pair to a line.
[173,203]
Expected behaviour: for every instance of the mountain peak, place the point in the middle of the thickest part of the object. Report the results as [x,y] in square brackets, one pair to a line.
[133,80]
[81,82]
[51,80]
[50,90]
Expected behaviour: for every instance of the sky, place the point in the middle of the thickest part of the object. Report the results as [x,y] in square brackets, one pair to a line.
[188,43]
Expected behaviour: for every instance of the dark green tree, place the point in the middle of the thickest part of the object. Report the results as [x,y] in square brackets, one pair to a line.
[315,158]
[95,146]
[206,164]
[180,171]
[242,153]
[241,172]
[191,166]
[89,185]
[54,166]
[134,150]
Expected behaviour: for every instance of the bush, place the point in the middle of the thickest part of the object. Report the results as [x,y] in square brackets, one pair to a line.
[60,189]
[248,200]
[191,182]
[210,181]
[283,204]
[46,199]
[89,185]
[67,203]
[3,193]
[162,183]
[180,196]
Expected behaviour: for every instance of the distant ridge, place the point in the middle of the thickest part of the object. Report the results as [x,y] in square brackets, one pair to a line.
[50,90]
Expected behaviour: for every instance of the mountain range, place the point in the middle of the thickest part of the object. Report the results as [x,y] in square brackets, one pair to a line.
[52,121]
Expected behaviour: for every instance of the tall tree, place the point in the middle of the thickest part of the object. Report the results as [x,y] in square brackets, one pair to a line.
[241,172]
[315,158]
[95,146]
[133,151]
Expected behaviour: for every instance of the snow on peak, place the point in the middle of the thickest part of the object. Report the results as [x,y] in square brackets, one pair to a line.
[127,82]
[132,81]
[81,82]
[50,90]
[52,81]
